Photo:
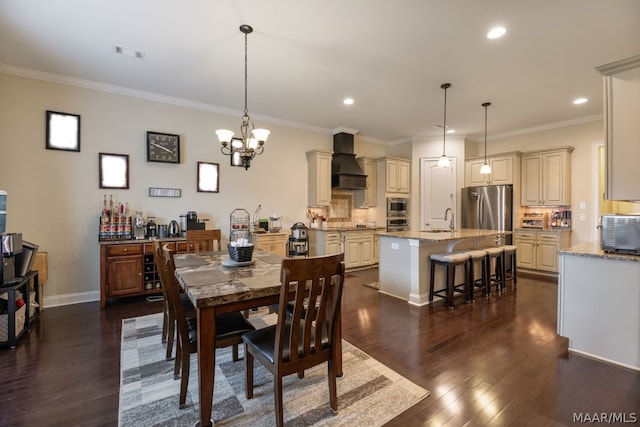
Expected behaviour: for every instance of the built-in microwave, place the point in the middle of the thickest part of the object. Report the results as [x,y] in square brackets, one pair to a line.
[397,207]
[398,224]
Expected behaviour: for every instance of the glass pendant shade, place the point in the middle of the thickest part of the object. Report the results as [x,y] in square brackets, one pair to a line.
[485,169]
[443,162]
[224,135]
[261,134]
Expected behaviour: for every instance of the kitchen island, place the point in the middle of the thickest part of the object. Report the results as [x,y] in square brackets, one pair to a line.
[404,264]
[599,304]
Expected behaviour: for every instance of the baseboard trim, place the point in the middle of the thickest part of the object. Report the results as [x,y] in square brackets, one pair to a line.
[69,299]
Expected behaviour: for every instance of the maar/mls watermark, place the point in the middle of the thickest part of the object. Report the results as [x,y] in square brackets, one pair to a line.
[605,417]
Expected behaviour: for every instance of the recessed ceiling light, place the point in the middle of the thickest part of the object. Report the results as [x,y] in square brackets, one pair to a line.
[440,126]
[579,101]
[496,32]
[348,101]
[132,53]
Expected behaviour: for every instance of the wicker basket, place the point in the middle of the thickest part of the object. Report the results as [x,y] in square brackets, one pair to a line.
[240,253]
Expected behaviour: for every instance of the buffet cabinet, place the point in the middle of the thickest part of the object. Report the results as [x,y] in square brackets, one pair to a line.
[538,249]
[128,268]
[271,242]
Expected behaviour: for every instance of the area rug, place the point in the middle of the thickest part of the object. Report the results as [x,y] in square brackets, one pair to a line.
[369,393]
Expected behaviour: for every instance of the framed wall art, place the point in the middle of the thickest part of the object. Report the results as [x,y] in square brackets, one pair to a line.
[114,170]
[63,131]
[208,177]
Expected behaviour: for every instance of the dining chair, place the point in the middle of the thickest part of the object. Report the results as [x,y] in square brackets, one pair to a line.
[168,317]
[204,240]
[305,336]
[229,328]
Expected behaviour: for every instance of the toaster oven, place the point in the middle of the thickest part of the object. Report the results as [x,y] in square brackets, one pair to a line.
[620,233]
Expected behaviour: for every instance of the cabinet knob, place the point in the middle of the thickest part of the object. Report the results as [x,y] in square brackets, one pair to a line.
[126,249]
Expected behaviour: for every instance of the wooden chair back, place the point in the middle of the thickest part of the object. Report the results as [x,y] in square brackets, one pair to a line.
[306,327]
[204,240]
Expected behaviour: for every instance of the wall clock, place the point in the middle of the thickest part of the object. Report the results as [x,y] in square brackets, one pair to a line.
[163,147]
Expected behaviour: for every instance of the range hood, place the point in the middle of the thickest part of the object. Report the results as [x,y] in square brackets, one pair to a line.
[346,173]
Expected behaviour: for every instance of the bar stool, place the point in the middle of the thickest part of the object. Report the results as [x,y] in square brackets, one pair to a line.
[450,261]
[495,275]
[475,256]
[510,254]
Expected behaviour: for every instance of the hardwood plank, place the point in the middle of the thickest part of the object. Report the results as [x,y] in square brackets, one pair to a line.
[497,361]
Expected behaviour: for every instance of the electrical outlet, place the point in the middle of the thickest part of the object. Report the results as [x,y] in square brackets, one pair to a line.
[395,246]
[583,205]
[583,217]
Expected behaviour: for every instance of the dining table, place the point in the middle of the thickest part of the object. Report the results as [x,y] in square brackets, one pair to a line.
[215,284]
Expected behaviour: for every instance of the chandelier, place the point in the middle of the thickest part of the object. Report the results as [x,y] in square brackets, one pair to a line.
[443,162]
[252,140]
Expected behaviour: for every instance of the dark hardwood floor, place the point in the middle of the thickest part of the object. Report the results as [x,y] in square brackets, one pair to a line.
[495,362]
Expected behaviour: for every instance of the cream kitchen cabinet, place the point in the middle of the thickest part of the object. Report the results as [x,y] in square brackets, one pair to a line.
[538,250]
[504,170]
[395,173]
[367,198]
[271,242]
[622,127]
[546,178]
[319,177]
[358,249]
[322,242]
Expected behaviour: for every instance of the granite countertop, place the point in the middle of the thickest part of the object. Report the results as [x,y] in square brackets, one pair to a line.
[542,230]
[347,228]
[592,250]
[137,241]
[443,236]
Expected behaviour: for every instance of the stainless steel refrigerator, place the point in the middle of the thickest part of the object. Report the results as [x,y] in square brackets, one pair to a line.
[487,207]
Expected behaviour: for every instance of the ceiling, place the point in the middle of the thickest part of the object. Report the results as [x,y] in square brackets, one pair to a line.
[306,56]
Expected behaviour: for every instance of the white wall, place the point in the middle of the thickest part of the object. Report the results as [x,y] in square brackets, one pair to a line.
[54,199]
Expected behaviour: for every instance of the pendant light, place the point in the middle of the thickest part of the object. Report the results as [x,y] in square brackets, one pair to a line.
[485,169]
[443,162]
[252,140]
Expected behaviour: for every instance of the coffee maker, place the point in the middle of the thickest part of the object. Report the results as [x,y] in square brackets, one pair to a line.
[138,226]
[192,221]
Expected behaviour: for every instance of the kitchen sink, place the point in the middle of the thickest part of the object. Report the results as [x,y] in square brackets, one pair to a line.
[437,230]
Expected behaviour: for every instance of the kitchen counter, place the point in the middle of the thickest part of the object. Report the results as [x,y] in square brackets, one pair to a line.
[592,250]
[599,304]
[135,241]
[404,264]
[347,228]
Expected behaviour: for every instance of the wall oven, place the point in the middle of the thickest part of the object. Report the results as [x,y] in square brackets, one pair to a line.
[397,207]
[398,224]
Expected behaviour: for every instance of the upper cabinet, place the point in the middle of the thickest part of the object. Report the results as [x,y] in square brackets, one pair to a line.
[546,178]
[319,180]
[367,198]
[622,127]
[395,174]
[504,168]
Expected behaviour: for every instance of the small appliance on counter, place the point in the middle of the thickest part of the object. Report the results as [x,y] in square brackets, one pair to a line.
[10,247]
[299,240]
[138,226]
[193,223]
[152,229]
[174,229]
[620,234]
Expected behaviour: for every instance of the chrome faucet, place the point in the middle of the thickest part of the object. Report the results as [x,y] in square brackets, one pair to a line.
[452,224]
